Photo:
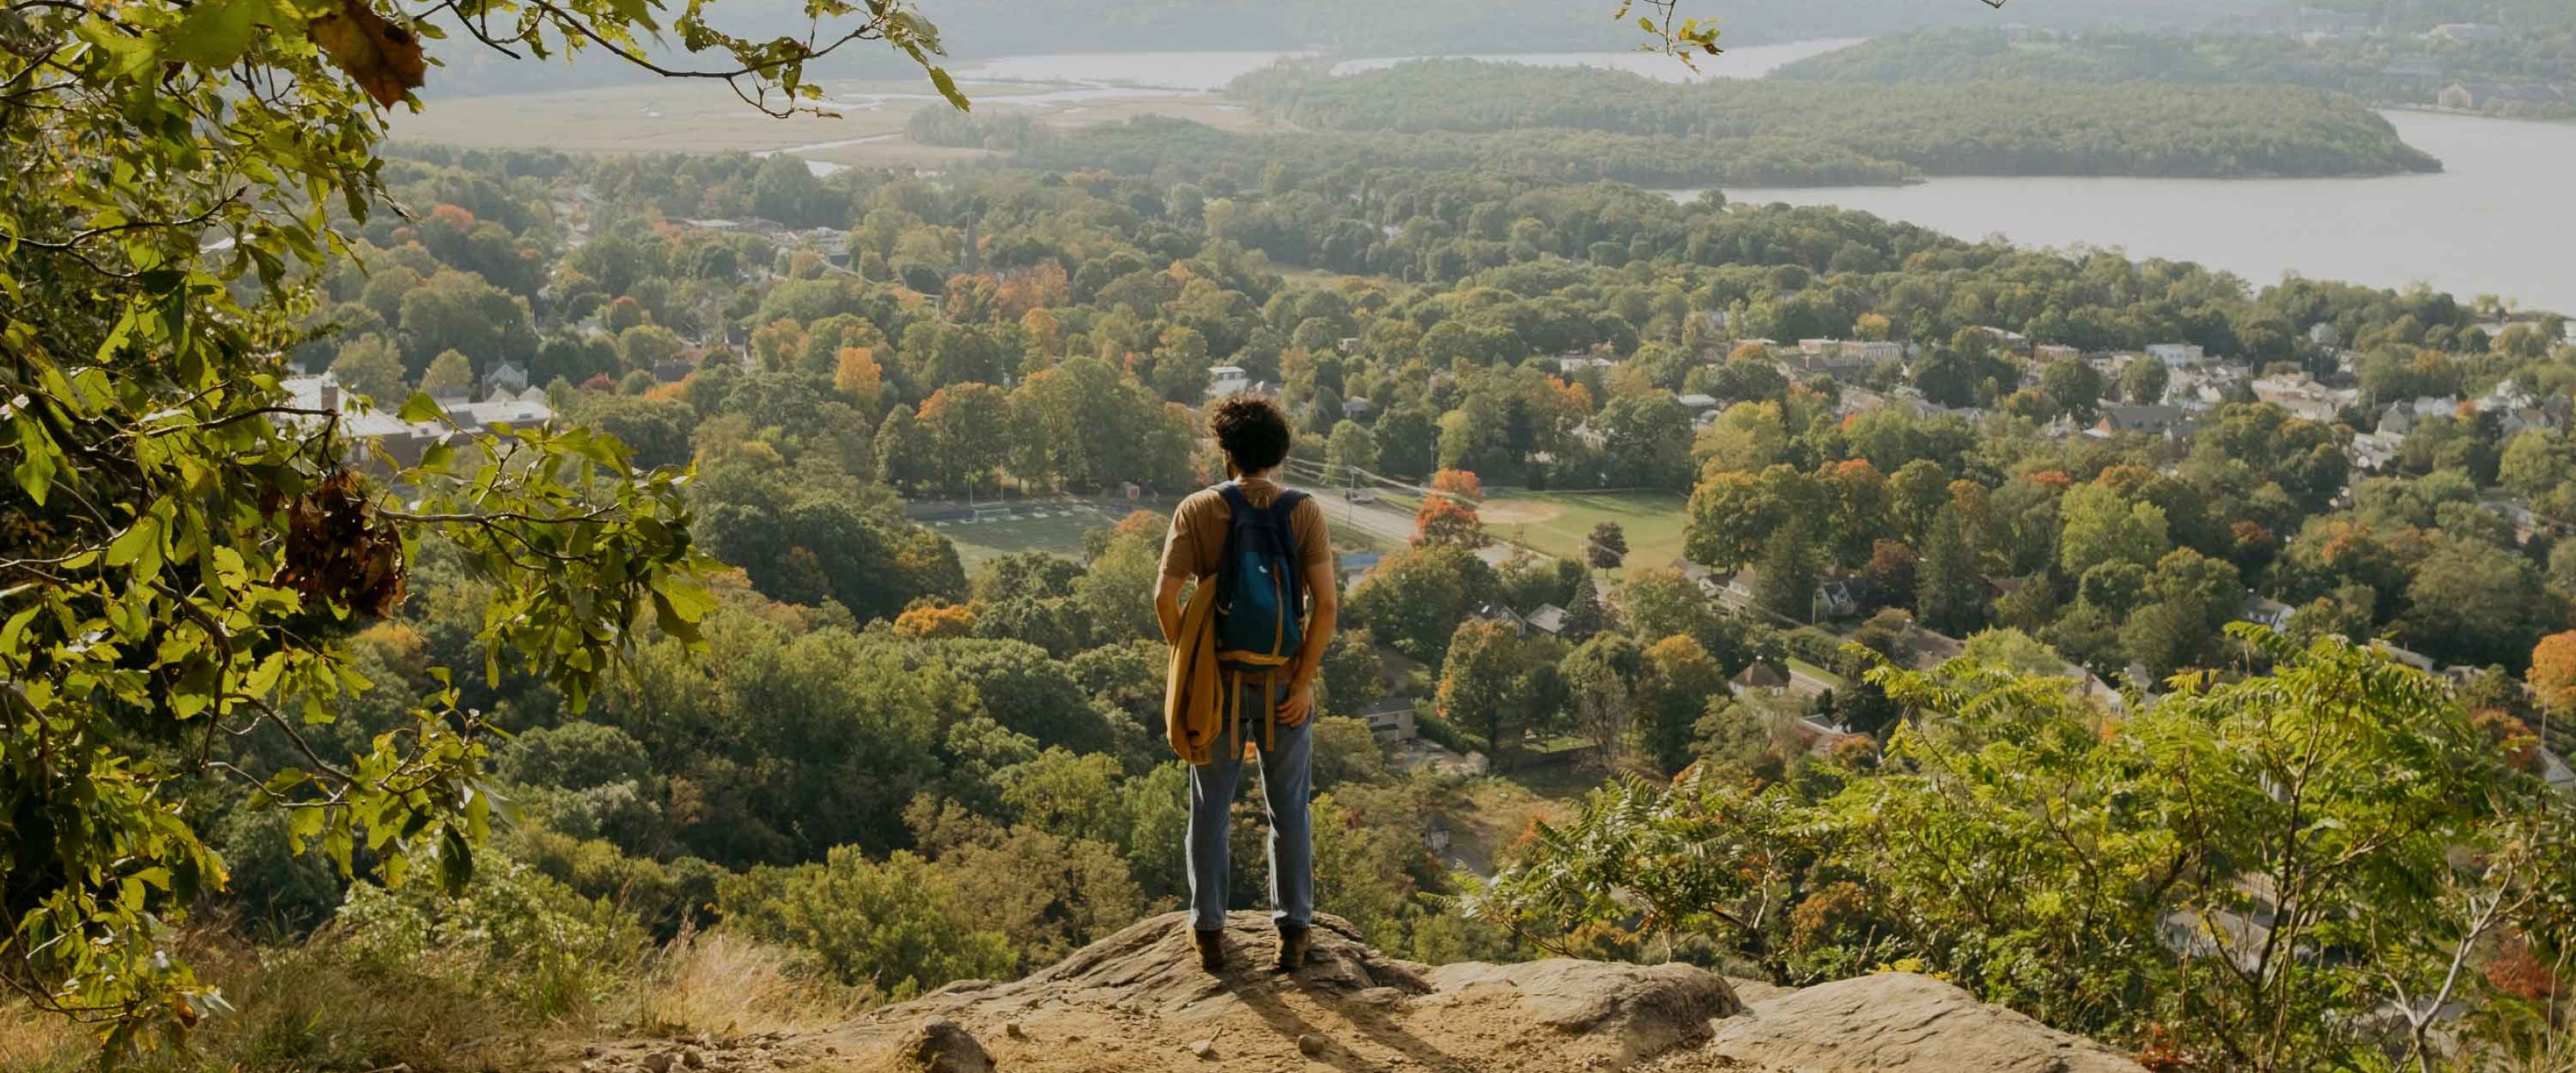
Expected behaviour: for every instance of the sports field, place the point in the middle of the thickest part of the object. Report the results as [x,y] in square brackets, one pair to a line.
[1558,522]
[1057,528]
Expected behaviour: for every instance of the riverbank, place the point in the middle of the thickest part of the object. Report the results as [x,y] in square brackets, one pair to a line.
[2495,220]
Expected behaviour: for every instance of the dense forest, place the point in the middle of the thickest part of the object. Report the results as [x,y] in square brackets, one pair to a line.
[1985,129]
[349,730]
[1178,147]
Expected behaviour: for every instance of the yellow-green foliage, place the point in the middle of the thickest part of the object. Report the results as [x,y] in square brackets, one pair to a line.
[2168,876]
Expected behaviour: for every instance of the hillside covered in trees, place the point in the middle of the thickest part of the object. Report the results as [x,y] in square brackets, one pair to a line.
[572,605]
[1940,129]
[872,739]
[2531,59]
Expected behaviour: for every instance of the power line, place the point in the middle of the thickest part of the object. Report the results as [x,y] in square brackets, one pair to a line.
[1323,473]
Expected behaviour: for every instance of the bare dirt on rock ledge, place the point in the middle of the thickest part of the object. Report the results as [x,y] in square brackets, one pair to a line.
[1139,1001]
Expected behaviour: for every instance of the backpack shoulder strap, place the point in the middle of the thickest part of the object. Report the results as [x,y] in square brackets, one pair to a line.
[1283,521]
[1235,503]
[1283,514]
[1237,509]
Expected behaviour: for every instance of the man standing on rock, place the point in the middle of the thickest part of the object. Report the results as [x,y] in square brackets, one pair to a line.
[1245,652]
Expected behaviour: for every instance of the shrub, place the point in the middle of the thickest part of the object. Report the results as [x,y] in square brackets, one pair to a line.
[513,934]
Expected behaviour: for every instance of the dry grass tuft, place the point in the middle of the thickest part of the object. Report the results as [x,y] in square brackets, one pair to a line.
[34,1042]
[725,984]
[301,1008]
[309,1007]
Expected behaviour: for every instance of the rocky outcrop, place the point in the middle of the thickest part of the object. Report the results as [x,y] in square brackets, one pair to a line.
[1601,1013]
[1900,1021]
[1137,1000]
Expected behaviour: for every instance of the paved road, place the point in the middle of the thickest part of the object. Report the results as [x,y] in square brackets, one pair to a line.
[1111,508]
[1389,523]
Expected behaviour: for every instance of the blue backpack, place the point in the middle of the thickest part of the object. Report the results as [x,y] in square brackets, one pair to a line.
[1259,602]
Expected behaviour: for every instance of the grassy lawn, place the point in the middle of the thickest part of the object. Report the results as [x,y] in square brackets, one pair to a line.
[1558,522]
[1055,530]
[1353,538]
[1813,671]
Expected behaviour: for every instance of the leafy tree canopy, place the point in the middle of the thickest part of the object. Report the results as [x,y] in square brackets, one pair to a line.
[186,541]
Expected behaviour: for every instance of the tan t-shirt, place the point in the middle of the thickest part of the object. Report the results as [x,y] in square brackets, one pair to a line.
[1197,537]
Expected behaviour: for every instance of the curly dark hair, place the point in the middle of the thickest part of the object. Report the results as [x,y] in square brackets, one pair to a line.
[1252,430]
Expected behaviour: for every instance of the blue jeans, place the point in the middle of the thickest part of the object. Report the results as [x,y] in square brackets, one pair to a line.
[1286,783]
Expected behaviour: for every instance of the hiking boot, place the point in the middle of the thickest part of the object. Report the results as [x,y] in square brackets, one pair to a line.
[1292,946]
[1211,944]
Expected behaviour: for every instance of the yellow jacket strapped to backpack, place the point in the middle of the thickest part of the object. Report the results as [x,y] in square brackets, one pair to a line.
[1193,707]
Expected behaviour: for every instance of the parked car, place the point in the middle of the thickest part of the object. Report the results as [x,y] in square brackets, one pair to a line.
[1359,495]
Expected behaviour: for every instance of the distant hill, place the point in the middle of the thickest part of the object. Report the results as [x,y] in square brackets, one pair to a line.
[2019,128]
[2387,62]
[987,28]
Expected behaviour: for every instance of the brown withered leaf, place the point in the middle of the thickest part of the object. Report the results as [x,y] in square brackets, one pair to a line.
[384,58]
[340,552]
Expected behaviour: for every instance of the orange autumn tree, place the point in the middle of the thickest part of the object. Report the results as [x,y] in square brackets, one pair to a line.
[927,621]
[1034,288]
[776,343]
[1046,336]
[855,373]
[2553,671]
[1448,515]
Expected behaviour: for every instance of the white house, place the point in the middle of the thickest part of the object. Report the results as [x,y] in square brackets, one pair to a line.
[2400,418]
[2468,32]
[2265,611]
[1227,381]
[2006,339]
[508,376]
[2506,397]
[2555,772]
[2373,451]
[398,442]
[525,410]
[2175,353]
[2303,397]
[1874,351]
[1391,719]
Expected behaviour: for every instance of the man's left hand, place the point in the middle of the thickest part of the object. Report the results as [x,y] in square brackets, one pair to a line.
[1300,704]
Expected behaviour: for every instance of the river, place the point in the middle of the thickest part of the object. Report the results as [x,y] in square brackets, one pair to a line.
[1751,61]
[2498,219]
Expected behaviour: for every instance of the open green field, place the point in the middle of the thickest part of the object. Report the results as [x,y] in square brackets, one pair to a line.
[1558,522]
[1057,529]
